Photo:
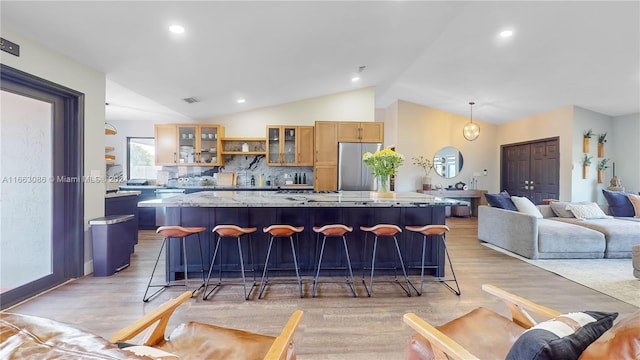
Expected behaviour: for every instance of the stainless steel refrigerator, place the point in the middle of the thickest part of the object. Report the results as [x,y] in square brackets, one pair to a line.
[353,174]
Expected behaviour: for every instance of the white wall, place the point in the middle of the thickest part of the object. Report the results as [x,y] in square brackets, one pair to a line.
[41,61]
[423,131]
[588,189]
[389,117]
[356,105]
[626,146]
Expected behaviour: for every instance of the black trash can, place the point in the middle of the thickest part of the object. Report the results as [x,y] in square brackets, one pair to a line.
[113,238]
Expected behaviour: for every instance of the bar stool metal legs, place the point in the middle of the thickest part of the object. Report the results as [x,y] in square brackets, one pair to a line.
[386,230]
[438,231]
[280,231]
[231,231]
[169,232]
[337,231]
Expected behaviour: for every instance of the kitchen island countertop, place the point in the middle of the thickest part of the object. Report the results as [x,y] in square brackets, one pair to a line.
[271,199]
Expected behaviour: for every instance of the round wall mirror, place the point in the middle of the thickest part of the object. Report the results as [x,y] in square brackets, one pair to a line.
[448,162]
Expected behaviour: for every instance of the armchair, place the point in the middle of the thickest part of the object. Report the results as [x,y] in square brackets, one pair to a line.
[195,340]
[484,334]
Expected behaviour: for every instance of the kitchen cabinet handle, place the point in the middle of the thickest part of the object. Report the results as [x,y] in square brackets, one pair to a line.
[175,158]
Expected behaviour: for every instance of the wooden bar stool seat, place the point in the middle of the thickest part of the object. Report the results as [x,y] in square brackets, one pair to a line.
[280,231]
[231,232]
[384,230]
[438,231]
[169,232]
[335,231]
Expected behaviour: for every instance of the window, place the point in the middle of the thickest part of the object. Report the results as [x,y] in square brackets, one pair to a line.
[141,158]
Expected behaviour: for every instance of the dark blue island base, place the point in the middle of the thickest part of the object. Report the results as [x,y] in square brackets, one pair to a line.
[306,245]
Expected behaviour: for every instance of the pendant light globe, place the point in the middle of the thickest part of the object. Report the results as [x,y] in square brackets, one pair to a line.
[471,131]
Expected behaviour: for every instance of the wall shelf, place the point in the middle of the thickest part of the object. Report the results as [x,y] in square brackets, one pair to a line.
[244,153]
[233,146]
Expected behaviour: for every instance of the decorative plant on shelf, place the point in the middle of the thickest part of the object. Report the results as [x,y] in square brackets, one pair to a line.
[384,163]
[602,165]
[586,161]
[601,140]
[427,166]
[585,140]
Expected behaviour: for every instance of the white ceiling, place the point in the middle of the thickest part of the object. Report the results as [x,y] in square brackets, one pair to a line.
[441,54]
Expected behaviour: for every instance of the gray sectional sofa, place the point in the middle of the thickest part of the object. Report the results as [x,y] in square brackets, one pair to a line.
[553,237]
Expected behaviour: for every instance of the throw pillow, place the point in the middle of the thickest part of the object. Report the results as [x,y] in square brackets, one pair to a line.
[524,205]
[635,201]
[560,209]
[501,200]
[619,204]
[563,337]
[587,211]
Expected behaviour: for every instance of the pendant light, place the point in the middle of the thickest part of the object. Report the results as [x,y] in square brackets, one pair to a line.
[471,131]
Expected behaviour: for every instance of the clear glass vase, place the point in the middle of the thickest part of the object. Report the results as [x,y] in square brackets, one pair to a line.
[383,182]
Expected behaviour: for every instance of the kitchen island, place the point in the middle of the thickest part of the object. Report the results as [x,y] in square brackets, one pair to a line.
[263,208]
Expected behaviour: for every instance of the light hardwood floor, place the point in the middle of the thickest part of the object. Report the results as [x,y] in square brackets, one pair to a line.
[335,325]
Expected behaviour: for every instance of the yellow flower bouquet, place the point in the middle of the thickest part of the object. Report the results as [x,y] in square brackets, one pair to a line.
[384,163]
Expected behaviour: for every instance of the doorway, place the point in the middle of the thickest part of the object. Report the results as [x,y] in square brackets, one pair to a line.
[41,191]
[531,169]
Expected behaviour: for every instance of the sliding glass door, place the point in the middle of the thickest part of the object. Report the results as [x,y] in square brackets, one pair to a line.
[41,190]
[26,192]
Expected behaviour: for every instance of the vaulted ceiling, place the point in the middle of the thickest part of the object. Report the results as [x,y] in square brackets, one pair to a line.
[441,54]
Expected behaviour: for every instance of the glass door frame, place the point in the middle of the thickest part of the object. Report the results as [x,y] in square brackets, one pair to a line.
[68,161]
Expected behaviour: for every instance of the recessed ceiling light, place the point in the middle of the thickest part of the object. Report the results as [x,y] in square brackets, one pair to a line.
[506,33]
[176,29]
[241,101]
[355,78]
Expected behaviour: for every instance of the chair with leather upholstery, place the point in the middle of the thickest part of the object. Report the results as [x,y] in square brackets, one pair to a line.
[485,334]
[194,340]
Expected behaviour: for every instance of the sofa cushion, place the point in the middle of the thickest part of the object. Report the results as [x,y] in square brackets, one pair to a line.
[525,206]
[564,337]
[622,341]
[635,202]
[620,235]
[587,211]
[619,203]
[560,209]
[574,241]
[501,200]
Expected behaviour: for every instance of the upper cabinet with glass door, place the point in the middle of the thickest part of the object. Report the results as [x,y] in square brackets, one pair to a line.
[210,145]
[289,145]
[179,144]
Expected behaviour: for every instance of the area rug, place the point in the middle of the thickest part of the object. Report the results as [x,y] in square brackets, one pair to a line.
[613,277]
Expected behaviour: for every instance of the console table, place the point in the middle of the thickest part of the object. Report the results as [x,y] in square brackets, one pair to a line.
[475,197]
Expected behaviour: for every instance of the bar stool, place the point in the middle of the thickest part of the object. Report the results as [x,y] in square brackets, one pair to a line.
[335,231]
[385,230]
[439,231]
[280,231]
[229,232]
[169,232]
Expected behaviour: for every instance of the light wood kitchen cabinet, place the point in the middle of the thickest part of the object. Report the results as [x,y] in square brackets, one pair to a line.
[305,146]
[326,156]
[289,145]
[326,178]
[188,144]
[349,131]
[166,145]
